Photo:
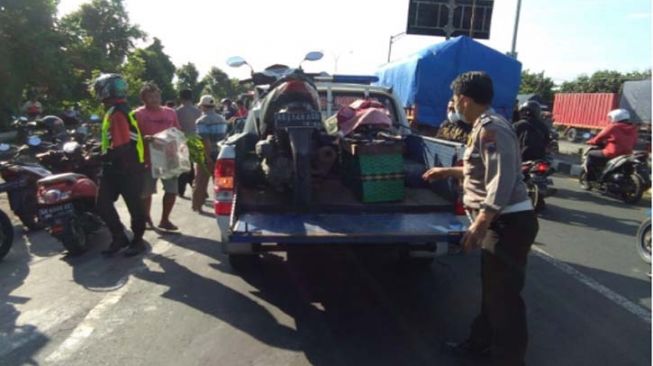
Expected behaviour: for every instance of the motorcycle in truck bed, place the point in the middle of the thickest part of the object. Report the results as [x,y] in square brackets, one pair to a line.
[256,180]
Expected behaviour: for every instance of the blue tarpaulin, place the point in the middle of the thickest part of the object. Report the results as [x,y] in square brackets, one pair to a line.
[424,79]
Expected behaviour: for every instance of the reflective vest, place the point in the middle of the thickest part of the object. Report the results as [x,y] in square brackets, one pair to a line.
[134,134]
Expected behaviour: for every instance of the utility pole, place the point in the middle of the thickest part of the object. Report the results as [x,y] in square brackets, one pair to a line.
[392,39]
[471,23]
[513,51]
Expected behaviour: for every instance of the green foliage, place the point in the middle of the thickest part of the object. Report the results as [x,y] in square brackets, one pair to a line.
[187,78]
[30,50]
[536,83]
[158,68]
[603,81]
[196,151]
[218,84]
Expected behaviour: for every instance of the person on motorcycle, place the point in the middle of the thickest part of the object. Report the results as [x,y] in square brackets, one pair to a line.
[618,138]
[532,133]
[123,165]
[228,108]
[32,108]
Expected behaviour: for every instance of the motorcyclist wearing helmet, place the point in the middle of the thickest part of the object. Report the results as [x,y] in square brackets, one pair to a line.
[532,133]
[123,164]
[618,138]
[228,108]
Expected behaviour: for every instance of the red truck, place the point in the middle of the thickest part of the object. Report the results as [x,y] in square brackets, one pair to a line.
[576,113]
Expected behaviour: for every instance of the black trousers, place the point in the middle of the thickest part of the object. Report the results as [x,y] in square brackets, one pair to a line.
[112,185]
[186,179]
[595,162]
[501,324]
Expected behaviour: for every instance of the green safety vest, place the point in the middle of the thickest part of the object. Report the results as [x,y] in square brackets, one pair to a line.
[134,134]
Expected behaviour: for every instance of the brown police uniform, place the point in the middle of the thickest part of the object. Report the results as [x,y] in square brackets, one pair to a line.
[493,182]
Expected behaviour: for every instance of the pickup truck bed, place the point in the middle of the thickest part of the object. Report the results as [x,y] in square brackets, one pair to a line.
[334,197]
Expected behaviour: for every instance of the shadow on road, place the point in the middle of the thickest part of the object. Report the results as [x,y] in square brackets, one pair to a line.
[19,343]
[598,221]
[600,199]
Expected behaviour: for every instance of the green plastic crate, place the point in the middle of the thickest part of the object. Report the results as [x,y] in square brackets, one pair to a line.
[374,173]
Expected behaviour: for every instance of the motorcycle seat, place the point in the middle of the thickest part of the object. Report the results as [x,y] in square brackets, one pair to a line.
[58,178]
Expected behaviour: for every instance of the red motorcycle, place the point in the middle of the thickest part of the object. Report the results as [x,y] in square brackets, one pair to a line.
[66,202]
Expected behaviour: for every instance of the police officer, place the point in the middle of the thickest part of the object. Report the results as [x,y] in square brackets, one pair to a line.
[123,164]
[504,225]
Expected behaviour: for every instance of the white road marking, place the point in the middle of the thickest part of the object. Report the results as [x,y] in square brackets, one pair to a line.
[630,306]
[87,326]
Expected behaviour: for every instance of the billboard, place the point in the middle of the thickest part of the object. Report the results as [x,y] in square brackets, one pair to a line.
[450,18]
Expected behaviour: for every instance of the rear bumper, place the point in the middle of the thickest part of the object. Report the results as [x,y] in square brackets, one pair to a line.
[308,229]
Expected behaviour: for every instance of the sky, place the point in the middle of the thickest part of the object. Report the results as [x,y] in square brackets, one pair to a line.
[563,38]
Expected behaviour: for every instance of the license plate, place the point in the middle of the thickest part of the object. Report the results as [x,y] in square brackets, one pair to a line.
[55,212]
[298,119]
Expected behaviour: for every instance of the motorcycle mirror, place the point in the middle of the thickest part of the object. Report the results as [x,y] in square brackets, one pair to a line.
[236,61]
[313,56]
[34,141]
[4,147]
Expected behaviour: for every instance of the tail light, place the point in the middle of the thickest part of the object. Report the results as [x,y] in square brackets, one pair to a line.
[542,168]
[224,173]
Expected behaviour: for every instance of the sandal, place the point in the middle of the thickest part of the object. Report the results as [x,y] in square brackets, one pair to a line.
[168,226]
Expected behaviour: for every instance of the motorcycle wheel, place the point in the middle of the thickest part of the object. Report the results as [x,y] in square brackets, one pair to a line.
[74,238]
[582,181]
[633,190]
[303,182]
[534,194]
[643,242]
[6,234]
[572,135]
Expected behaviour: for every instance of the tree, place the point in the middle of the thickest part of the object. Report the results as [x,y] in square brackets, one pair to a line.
[133,72]
[218,84]
[31,54]
[100,35]
[187,78]
[150,64]
[537,83]
[603,81]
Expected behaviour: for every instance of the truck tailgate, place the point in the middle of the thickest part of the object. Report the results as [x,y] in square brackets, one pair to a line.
[346,228]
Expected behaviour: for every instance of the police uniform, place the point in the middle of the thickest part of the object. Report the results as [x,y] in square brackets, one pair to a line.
[493,182]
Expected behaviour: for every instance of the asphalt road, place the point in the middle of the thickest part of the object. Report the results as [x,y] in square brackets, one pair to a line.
[588,296]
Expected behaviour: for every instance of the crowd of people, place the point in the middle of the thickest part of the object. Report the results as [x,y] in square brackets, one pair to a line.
[126,135]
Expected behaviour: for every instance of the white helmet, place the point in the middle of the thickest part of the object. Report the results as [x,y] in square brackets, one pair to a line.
[619,115]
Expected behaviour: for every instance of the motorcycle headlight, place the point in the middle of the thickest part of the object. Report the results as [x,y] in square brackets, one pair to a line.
[51,196]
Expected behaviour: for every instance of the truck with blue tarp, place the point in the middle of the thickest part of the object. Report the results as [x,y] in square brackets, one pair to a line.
[422,81]
[426,220]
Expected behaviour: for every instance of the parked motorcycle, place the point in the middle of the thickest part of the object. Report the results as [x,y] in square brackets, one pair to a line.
[643,242]
[20,185]
[619,177]
[538,182]
[289,127]
[66,201]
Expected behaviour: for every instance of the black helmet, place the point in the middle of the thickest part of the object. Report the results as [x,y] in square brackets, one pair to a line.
[110,86]
[225,101]
[530,109]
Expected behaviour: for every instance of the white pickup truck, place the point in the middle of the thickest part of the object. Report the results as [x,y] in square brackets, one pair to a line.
[428,222]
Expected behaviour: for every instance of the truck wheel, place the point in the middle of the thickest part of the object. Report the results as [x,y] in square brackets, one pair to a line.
[243,262]
[418,264]
[572,135]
